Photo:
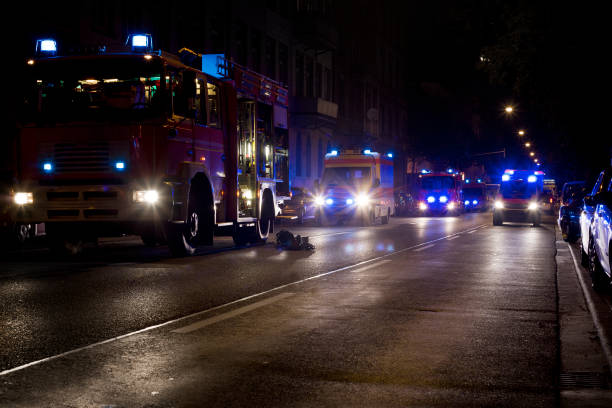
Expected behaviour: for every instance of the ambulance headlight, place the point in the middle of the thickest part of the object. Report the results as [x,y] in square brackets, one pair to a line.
[422,206]
[467,202]
[22,198]
[451,206]
[319,200]
[532,206]
[146,196]
[362,199]
[499,204]
[431,199]
[475,202]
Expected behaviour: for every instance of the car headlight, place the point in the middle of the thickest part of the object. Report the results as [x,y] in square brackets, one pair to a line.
[422,206]
[319,200]
[499,204]
[146,196]
[21,198]
[532,206]
[362,199]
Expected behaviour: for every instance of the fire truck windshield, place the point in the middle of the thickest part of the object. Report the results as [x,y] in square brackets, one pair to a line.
[437,182]
[92,89]
[473,192]
[346,175]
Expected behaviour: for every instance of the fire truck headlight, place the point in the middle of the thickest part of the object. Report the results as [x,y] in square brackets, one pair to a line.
[451,206]
[499,204]
[23,198]
[362,199]
[532,206]
[146,196]
[319,200]
[422,206]
[431,199]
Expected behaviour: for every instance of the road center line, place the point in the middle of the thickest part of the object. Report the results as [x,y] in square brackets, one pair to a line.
[179,319]
[424,248]
[233,313]
[472,231]
[454,237]
[374,265]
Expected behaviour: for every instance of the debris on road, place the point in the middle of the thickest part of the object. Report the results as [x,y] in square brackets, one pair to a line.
[286,240]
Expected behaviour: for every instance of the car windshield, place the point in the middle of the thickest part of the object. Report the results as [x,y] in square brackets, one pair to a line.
[437,183]
[346,175]
[518,189]
[93,89]
[473,192]
[572,192]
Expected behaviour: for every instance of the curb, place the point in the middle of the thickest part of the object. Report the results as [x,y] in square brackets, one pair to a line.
[602,333]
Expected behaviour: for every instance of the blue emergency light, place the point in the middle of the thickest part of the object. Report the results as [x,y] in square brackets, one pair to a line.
[431,199]
[506,177]
[141,42]
[120,165]
[46,47]
[475,202]
[449,171]
[479,180]
[532,179]
[367,151]
[333,153]
[443,199]
[390,155]
[425,171]
[467,202]
[467,180]
[47,167]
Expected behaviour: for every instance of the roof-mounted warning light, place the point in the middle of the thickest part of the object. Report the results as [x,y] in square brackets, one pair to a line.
[367,151]
[333,153]
[140,42]
[46,47]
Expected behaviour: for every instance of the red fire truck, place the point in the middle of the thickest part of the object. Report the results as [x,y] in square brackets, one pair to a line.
[145,142]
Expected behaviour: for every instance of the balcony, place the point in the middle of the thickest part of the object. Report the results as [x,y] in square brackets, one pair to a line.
[301,105]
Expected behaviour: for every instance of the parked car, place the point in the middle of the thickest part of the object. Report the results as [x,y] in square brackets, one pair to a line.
[299,208]
[572,196]
[405,204]
[588,210]
[600,239]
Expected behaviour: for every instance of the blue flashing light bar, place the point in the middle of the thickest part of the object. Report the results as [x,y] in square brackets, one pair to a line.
[120,165]
[367,151]
[390,155]
[333,153]
[509,171]
[450,171]
[431,199]
[141,42]
[349,201]
[532,179]
[467,180]
[467,202]
[212,65]
[475,202]
[329,201]
[425,171]
[46,46]
[479,180]
[48,167]
[506,177]
[443,199]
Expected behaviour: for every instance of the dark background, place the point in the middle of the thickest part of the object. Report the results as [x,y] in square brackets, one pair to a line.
[461,63]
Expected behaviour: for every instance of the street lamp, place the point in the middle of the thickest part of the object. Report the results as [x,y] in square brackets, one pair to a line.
[527,144]
[509,109]
[521,133]
[532,154]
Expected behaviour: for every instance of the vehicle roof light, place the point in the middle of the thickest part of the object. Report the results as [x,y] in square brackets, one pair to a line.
[367,151]
[390,155]
[141,42]
[450,170]
[333,153]
[47,167]
[46,46]
[509,171]
[532,179]
[120,165]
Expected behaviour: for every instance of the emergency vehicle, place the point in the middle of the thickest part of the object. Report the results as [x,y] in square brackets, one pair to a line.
[355,184]
[475,195]
[175,148]
[440,192]
[519,197]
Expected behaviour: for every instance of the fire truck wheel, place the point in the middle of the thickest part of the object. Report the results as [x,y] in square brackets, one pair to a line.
[385,219]
[265,225]
[179,239]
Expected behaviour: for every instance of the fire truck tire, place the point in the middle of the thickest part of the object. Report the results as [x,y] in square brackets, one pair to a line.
[385,219]
[265,225]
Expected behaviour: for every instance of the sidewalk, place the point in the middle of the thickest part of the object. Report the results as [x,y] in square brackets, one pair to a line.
[585,324]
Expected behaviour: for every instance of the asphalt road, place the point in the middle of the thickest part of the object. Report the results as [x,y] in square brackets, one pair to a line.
[423,311]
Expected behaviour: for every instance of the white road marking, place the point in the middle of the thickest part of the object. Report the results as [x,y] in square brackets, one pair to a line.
[330,234]
[454,237]
[374,265]
[233,313]
[472,231]
[423,248]
[179,319]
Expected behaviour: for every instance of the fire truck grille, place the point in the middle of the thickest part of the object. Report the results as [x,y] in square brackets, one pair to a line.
[73,158]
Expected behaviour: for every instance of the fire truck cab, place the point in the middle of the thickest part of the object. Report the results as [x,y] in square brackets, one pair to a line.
[356,184]
[145,142]
[440,193]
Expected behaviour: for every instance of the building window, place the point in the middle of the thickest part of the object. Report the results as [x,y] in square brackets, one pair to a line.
[299,74]
[298,154]
[308,156]
[270,57]
[283,68]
